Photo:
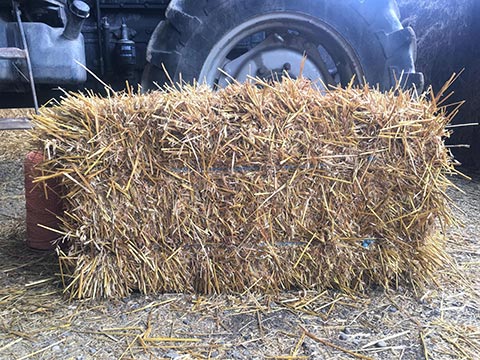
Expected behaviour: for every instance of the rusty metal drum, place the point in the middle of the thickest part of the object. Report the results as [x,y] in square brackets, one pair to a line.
[43,206]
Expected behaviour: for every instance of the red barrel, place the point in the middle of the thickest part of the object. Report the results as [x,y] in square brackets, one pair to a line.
[43,205]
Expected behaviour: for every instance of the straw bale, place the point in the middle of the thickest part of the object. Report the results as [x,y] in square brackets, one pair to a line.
[258,187]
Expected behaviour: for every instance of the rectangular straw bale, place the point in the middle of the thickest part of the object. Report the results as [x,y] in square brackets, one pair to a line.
[257,186]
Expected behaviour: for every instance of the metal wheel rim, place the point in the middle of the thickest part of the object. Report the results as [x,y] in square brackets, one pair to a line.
[336,46]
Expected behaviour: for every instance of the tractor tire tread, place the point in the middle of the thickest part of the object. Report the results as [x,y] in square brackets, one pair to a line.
[185,17]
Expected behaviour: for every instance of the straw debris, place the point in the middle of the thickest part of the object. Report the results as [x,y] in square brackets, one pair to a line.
[15,144]
[257,187]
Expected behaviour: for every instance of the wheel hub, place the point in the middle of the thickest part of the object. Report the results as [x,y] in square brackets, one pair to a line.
[275,57]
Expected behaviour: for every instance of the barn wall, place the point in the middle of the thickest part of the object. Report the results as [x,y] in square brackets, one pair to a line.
[448,33]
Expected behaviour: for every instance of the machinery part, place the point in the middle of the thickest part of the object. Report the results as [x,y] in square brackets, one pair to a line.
[50,12]
[271,60]
[125,52]
[15,124]
[31,81]
[216,40]
[78,11]
[55,60]
[11,53]
[102,46]
[105,46]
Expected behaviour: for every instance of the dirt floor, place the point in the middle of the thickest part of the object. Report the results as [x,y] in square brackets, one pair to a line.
[37,321]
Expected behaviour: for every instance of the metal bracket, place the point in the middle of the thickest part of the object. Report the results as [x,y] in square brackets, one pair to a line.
[15,124]
[12,53]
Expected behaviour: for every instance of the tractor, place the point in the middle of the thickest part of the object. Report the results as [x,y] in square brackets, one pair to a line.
[48,45]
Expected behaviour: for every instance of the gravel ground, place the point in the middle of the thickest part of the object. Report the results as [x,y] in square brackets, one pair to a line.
[37,321]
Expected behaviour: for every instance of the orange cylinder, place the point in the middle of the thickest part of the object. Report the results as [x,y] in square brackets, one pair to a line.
[43,205]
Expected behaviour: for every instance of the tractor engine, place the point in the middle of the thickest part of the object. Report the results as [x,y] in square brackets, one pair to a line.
[71,44]
[51,34]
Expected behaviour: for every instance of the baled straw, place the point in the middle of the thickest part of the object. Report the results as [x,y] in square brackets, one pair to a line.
[256,187]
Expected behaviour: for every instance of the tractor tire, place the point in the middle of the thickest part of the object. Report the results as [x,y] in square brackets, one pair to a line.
[331,41]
